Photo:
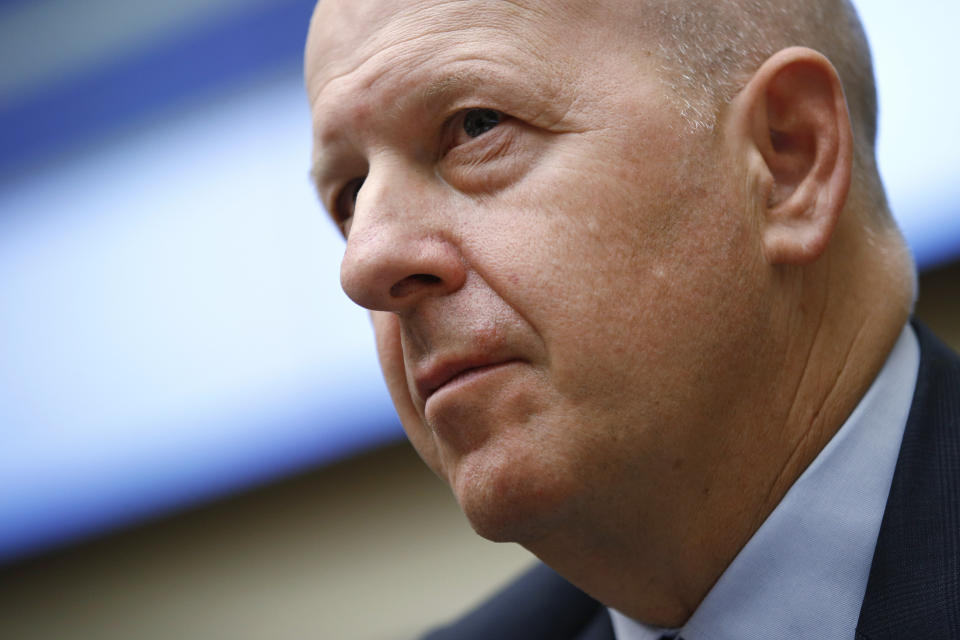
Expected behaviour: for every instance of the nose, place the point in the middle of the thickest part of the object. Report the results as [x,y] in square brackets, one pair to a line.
[400,249]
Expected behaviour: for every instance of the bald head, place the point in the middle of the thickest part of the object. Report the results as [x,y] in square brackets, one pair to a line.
[707,49]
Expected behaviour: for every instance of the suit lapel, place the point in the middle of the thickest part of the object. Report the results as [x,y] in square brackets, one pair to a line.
[599,628]
[538,605]
[914,585]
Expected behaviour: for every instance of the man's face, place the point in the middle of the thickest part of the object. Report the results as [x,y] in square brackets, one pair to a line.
[559,268]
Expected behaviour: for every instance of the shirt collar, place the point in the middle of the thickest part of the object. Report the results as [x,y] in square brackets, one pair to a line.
[804,572]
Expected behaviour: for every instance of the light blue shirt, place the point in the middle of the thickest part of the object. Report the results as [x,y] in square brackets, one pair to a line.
[804,572]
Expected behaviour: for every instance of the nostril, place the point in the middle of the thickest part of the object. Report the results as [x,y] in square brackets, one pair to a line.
[411,283]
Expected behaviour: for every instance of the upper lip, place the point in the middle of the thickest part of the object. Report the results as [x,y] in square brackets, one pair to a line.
[443,371]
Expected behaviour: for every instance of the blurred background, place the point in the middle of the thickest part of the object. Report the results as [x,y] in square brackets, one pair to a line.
[194,437]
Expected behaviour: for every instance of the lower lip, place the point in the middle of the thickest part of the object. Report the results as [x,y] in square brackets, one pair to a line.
[468,377]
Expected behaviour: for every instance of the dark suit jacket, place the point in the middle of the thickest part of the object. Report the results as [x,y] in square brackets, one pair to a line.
[914,585]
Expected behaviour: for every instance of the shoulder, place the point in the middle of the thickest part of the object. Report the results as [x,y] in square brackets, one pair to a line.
[539,604]
[932,437]
[939,377]
[913,589]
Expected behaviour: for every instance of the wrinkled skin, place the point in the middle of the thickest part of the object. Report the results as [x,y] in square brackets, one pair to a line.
[589,244]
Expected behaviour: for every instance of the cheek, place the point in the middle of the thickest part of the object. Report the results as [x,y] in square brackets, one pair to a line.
[613,270]
[390,352]
[562,253]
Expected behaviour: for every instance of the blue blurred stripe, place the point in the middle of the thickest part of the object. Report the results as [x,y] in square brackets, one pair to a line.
[208,57]
[43,519]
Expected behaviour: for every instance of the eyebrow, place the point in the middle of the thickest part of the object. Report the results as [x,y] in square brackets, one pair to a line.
[446,87]
[313,175]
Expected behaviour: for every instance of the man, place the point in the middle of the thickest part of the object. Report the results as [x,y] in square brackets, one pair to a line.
[639,300]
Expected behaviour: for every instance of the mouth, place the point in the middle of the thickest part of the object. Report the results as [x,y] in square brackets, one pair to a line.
[452,373]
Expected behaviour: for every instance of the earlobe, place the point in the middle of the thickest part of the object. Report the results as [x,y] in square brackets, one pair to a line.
[793,117]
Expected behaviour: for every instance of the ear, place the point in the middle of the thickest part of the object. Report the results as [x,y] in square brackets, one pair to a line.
[792,122]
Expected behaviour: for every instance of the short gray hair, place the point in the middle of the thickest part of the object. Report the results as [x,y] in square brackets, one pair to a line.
[709,49]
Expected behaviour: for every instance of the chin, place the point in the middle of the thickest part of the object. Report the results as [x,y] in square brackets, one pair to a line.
[511,498]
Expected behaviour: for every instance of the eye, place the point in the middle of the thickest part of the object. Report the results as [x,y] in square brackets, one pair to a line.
[346,201]
[477,122]
[470,124]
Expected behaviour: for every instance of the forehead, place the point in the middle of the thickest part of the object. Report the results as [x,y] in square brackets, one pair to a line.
[346,35]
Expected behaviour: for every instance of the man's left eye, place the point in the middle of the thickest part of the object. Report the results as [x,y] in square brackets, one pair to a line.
[476,122]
